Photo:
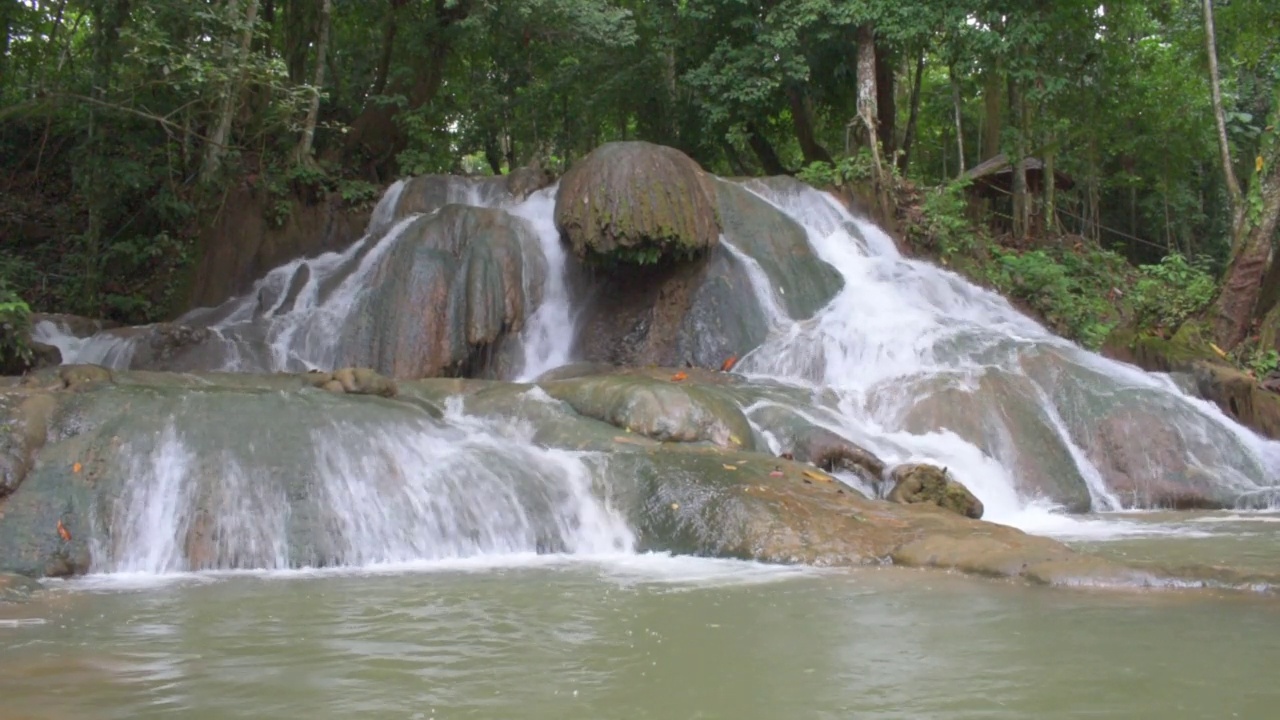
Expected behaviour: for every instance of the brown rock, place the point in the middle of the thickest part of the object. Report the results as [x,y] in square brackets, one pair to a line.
[628,198]
[922,483]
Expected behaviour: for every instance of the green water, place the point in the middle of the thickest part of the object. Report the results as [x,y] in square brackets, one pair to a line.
[633,638]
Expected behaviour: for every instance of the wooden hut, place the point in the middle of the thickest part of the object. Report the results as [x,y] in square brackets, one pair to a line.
[991,190]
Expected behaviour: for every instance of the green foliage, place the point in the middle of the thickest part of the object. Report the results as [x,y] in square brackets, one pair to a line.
[843,172]
[15,326]
[646,254]
[1168,293]
[358,193]
[1262,363]
[945,224]
[1064,289]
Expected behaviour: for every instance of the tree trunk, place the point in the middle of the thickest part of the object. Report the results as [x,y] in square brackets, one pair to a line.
[867,109]
[909,136]
[374,138]
[1233,309]
[1021,204]
[1228,171]
[955,102]
[991,113]
[6,23]
[230,95]
[764,151]
[1242,284]
[735,161]
[299,24]
[801,119]
[493,152]
[109,17]
[390,26]
[1050,189]
[886,102]
[313,113]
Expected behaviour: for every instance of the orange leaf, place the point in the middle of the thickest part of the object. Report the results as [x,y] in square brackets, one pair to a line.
[75,468]
[680,376]
[727,365]
[62,532]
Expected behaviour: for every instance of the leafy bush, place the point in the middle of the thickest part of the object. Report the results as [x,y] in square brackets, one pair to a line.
[1069,291]
[15,324]
[944,221]
[844,171]
[1168,293]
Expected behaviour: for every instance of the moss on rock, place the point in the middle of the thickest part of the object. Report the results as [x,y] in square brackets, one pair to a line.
[636,202]
[920,483]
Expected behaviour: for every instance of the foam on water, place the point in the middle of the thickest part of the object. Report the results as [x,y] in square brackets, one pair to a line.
[548,338]
[898,321]
[406,492]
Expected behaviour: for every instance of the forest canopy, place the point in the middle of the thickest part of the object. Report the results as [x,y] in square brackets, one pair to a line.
[123,121]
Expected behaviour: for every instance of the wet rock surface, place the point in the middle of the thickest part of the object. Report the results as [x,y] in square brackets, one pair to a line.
[920,483]
[681,490]
[626,199]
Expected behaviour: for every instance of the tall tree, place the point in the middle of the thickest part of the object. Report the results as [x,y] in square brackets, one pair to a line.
[303,152]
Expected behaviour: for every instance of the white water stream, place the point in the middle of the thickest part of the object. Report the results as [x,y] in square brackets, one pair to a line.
[899,324]
[898,330]
[422,492]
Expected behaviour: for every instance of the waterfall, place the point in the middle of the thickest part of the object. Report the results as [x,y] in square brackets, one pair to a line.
[548,336]
[902,330]
[907,359]
[409,490]
[303,314]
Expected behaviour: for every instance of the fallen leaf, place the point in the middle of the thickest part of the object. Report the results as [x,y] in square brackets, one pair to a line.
[734,439]
[675,506]
[776,473]
[75,468]
[727,365]
[817,476]
[1220,351]
[729,467]
[62,532]
[680,376]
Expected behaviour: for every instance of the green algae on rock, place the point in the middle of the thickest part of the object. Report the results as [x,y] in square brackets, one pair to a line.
[635,202]
[921,483]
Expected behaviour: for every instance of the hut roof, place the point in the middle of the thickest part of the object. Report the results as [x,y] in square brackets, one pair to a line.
[994,167]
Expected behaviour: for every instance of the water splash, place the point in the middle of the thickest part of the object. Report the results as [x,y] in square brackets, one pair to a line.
[899,324]
[548,336]
[406,492]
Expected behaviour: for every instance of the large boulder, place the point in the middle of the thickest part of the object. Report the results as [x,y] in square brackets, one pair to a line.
[802,282]
[169,472]
[1151,447]
[24,425]
[636,202]
[701,313]
[921,483]
[450,298]
[664,410]
[1002,414]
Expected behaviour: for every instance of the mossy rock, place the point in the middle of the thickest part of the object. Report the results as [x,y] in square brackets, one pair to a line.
[353,381]
[637,202]
[920,483]
[664,410]
[1153,353]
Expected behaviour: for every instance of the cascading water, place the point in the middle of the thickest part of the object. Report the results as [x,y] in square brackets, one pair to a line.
[902,330]
[548,337]
[408,491]
[907,360]
[302,315]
